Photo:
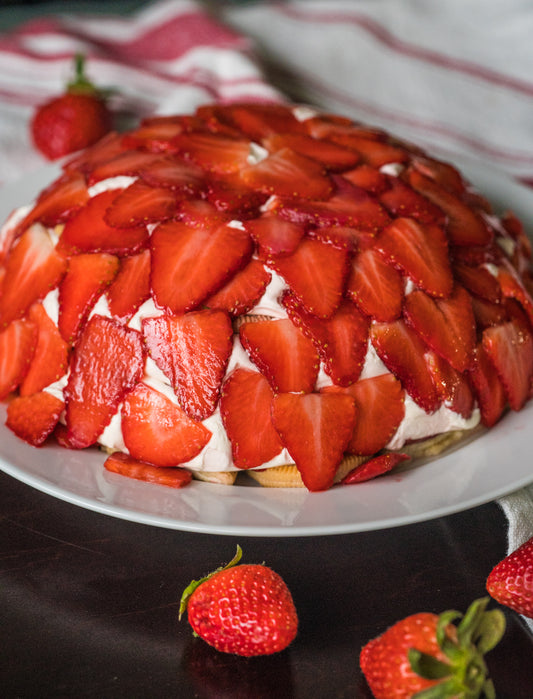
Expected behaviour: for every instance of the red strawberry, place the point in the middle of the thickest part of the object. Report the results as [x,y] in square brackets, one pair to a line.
[403,201]
[452,386]
[274,235]
[487,387]
[375,467]
[140,203]
[512,286]
[258,121]
[421,252]
[175,174]
[487,313]
[50,359]
[214,152]
[103,150]
[33,418]
[131,286]
[330,155]
[33,268]
[373,151]
[125,162]
[247,400]
[479,281]
[243,290]
[283,354]
[227,193]
[426,650]
[125,465]
[108,361]
[341,236]
[375,286]
[17,345]
[189,263]
[192,350]
[156,134]
[444,174]
[510,582]
[367,177]
[74,120]
[158,431]
[242,609]
[316,429]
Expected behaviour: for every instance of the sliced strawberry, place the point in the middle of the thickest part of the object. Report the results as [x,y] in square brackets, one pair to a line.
[50,359]
[33,418]
[283,354]
[446,325]
[192,350]
[108,361]
[86,279]
[189,263]
[379,465]
[274,235]
[88,230]
[17,345]
[316,273]
[402,351]
[487,313]
[512,286]
[127,162]
[125,465]
[33,268]
[452,386]
[131,286]
[444,174]
[402,200]
[103,150]
[380,408]
[340,340]
[510,348]
[156,135]
[375,286]
[420,251]
[140,203]
[315,428]
[175,174]
[229,194]
[479,281]
[487,387]
[243,290]
[375,152]
[367,177]
[158,431]
[331,125]
[214,152]
[258,121]
[330,155]
[246,401]
[201,214]
[341,236]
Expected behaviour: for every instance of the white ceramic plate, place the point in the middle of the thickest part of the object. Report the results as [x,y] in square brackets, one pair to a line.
[489,467]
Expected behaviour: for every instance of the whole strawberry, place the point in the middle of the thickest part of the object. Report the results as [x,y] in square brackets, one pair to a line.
[511,580]
[241,609]
[427,655]
[72,121]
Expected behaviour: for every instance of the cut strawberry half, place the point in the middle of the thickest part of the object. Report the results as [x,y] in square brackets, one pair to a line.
[125,465]
[402,351]
[108,361]
[17,345]
[375,286]
[175,174]
[192,350]
[86,279]
[33,418]
[315,428]
[158,431]
[140,203]
[316,273]
[274,235]
[452,386]
[378,466]
[420,251]
[380,408]
[50,359]
[446,325]
[487,387]
[191,263]
[33,268]
[403,201]
[131,286]
[340,340]
[243,291]
[282,353]
[89,231]
[245,407]
[330,155]
[214,152]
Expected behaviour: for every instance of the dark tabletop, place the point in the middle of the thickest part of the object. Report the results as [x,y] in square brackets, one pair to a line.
[89,603]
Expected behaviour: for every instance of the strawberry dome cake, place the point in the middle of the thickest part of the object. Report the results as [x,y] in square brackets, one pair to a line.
[261,289]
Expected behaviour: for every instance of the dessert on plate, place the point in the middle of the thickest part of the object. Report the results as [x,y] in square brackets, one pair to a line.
[262,289]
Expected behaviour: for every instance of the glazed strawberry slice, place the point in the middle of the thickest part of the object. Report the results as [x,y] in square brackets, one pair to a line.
[340,340]
[330,155]
[487,313]
[288,174]
[488,389]
[108,361]
[103,150]
[86,279]
[452,386]
[512,286]
[175,174]
[282,353]
[192,350]
[379,465]
[420,251]
[50,359]
[125,465]
[243,291]
[127,162]
[89,231]
[158,431]
[402,351]
[34,418]
[17,345]
[228,194]
[444,174]
[380,408]
[140,203]
[214,152]
[510,348]
[342,237]
[156,135]
[403,201]
[190,263]
[373,151]
[479,281]
[368,178]
[274,235]
[446,325]
[33,268]
[258,121]
[316,274]
[315,428]
[131,286]
[245,407]
[375,286]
